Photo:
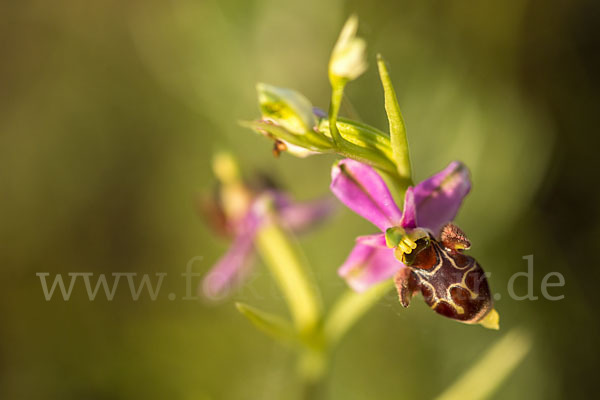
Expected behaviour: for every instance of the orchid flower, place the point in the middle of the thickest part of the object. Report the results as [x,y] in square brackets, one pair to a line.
[419,247]
[242,211]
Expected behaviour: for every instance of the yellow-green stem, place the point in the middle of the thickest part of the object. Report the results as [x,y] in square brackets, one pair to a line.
[287,265]
[337,93]
[349,308]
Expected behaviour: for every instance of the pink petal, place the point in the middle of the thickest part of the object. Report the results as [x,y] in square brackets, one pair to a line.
[361,189]
[299,217]
[227,273]
[376,240]
[409,215]
[437,199]
[368,263]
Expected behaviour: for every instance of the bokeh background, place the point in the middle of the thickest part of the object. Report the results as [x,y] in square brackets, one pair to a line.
[109,115]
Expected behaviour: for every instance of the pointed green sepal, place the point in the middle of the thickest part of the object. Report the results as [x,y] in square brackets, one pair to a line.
[397,128]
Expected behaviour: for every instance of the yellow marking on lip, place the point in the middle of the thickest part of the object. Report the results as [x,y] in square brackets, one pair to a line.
[463,284]
[454,263]
[459,309]
[437,300]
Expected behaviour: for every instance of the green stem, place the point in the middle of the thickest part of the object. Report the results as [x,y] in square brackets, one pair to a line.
[287,265]
[349,308]
[337,93]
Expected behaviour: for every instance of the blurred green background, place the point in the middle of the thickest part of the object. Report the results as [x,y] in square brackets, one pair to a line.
[110,112]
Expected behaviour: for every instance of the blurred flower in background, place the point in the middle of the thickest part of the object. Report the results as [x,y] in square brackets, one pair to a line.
[241,210]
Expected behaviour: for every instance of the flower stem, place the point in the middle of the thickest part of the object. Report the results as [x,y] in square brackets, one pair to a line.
[337,93]
[283,257]
[349,308]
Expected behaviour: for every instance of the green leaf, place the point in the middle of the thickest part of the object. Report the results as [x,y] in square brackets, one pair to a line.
[484,377]
[397,128]
[271,324]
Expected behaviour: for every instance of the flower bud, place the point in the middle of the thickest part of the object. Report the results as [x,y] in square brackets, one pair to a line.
[348,59]
[287,108]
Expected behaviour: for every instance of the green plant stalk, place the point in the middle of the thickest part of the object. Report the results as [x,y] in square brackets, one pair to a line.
[349,308]
[283,257]
[337,93]
[313,363]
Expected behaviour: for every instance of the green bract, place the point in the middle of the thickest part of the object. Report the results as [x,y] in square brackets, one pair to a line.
[286,107]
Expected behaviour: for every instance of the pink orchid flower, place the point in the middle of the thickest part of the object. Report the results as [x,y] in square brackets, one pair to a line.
[419,247]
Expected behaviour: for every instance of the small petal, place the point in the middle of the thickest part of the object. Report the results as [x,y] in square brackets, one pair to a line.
[367,265]
[229,270]
[319,113]
[361,189]
[299,217]
[376,240]
[437,199]
[409,215]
